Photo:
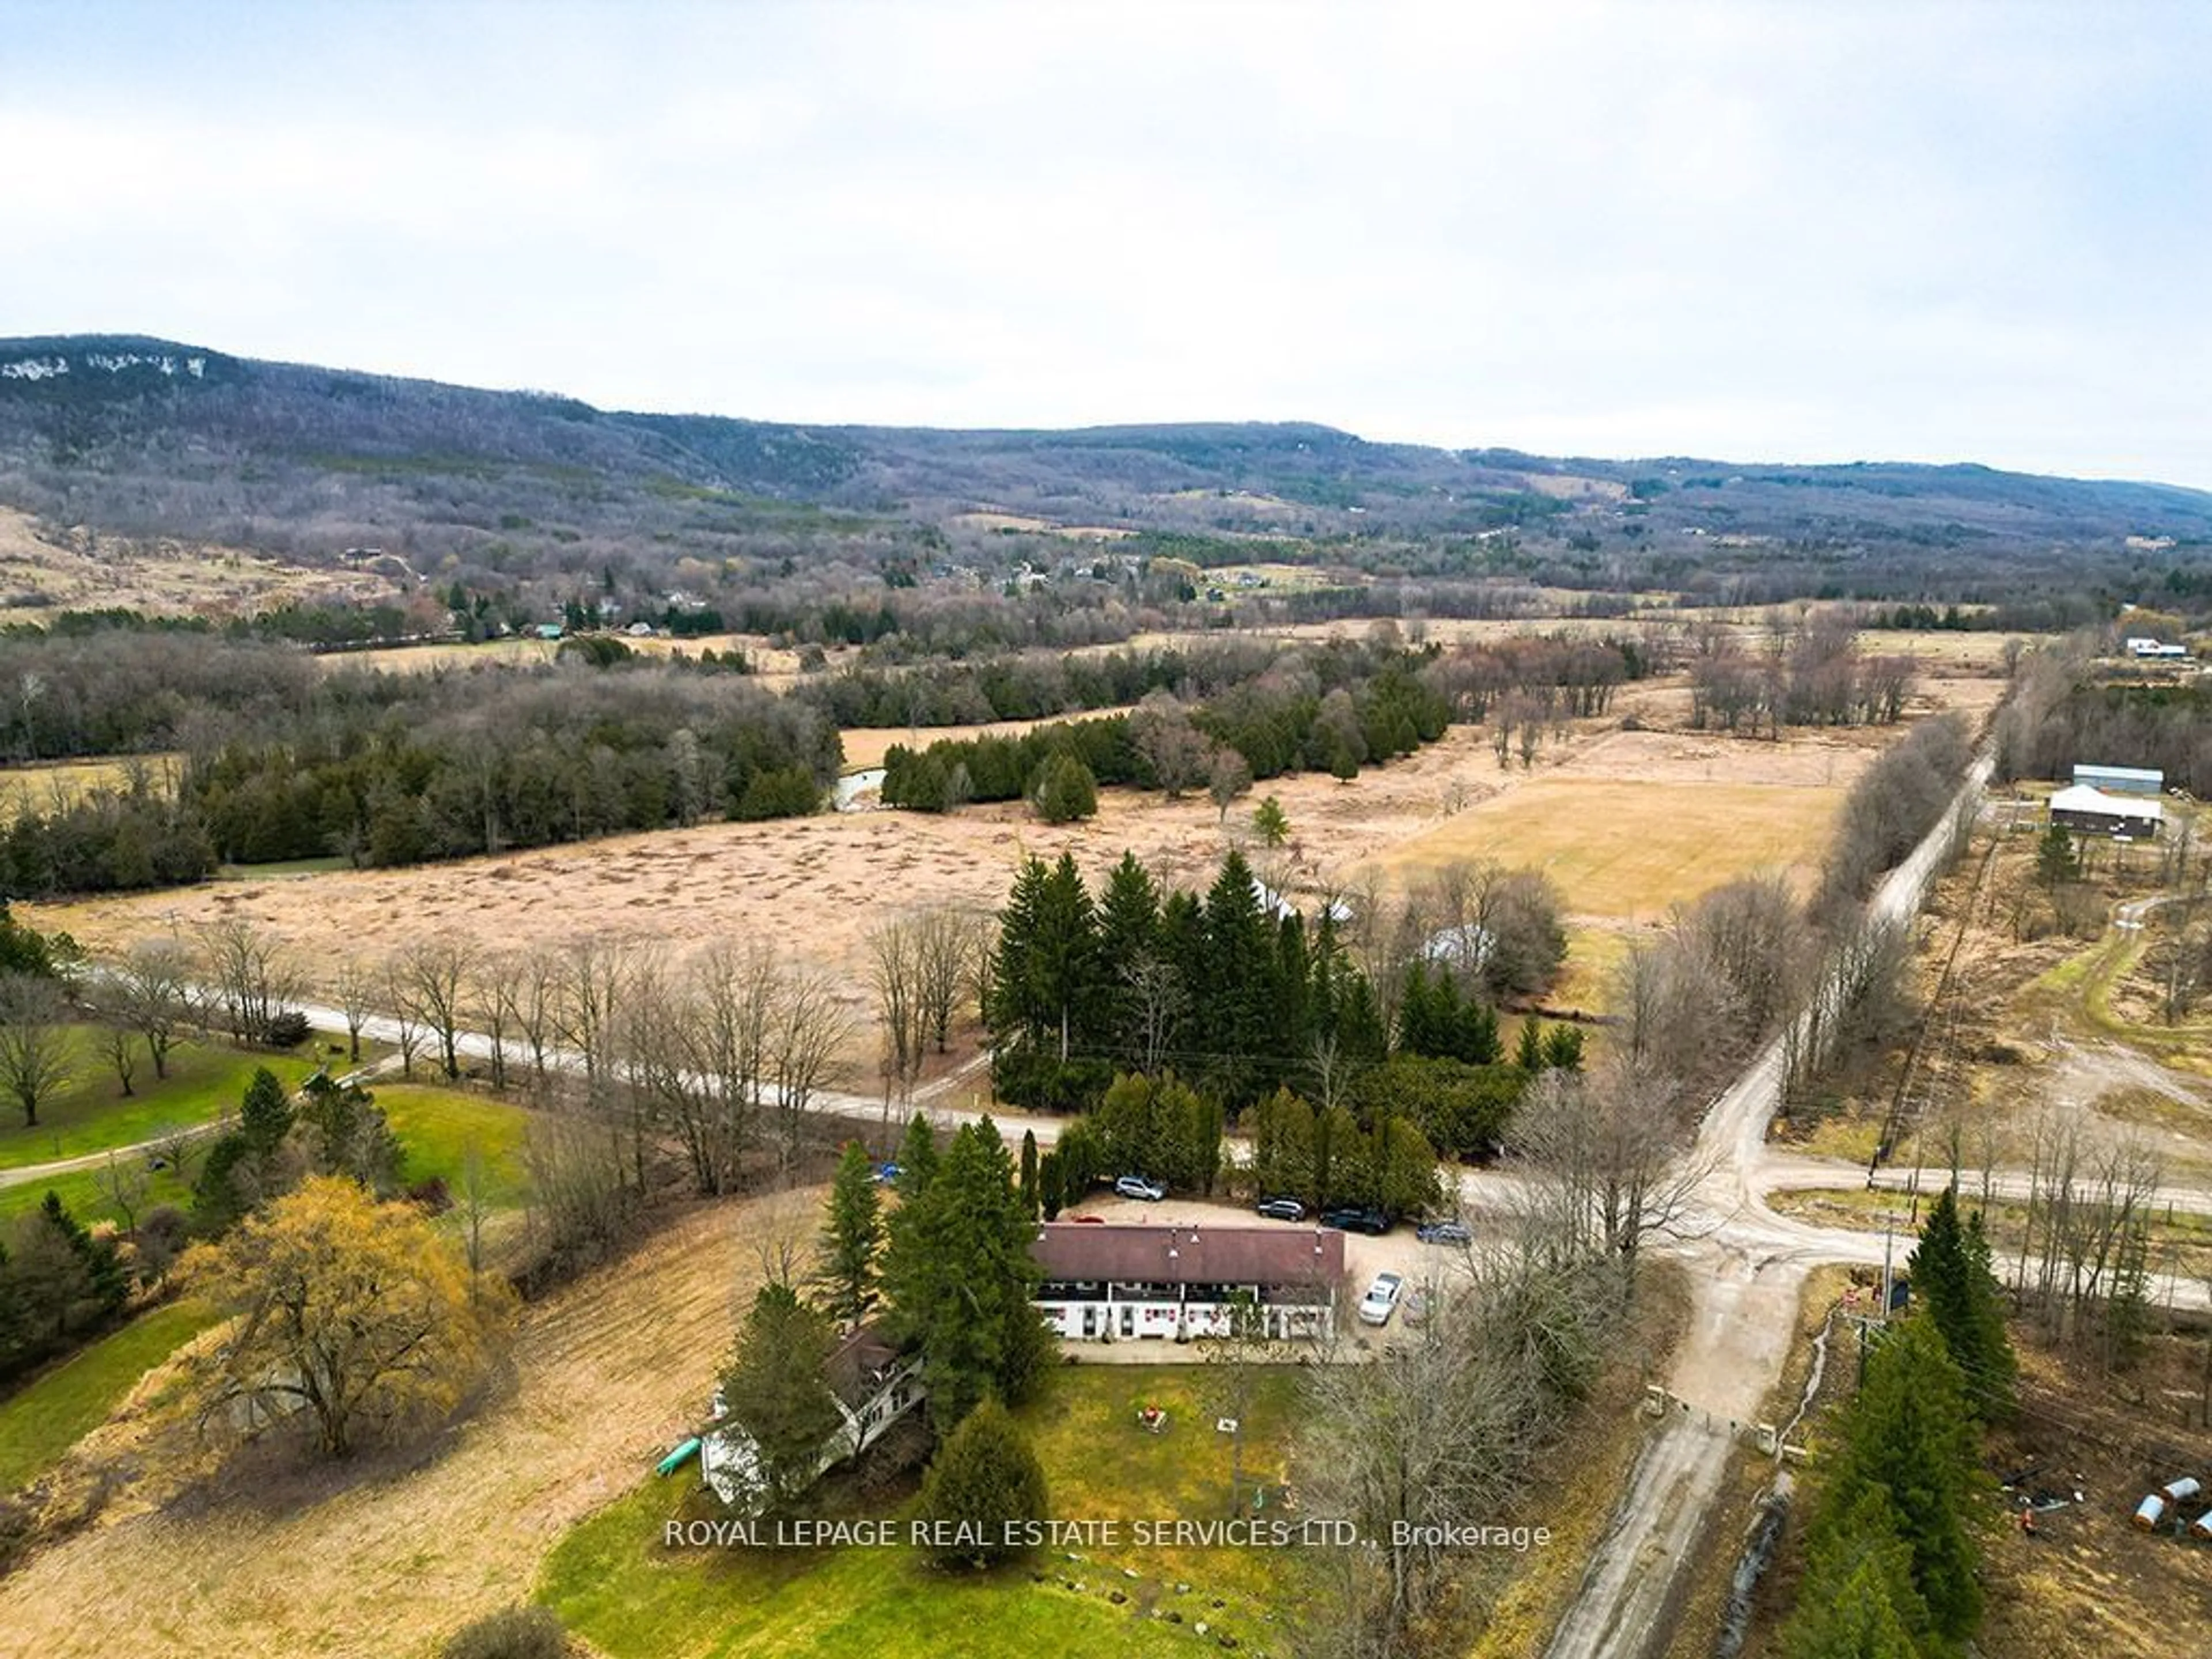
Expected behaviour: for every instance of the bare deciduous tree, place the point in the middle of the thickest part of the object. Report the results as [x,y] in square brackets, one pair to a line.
[949,940]
[407,1016]
[354,986]
[251,973]
[151,994]
[895,973]
[35,1062]
[810,1034]
[437,971]
[1607,1160]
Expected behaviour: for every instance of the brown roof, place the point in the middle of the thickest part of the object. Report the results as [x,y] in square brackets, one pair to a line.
[1189,1255]
[857,1366]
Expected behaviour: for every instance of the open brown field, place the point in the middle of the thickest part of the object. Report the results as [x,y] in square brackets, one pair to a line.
[816,886]
[49,784]
[70,570]
[865,746]
[1628,849]
[774,665]
[374,1560]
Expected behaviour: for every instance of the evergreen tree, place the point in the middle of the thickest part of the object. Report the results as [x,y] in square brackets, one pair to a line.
[351,1136]
[225,1189]
[1282,1129]
[1528,1054]
[958,1276]
[1418,1010]
[1032,1197]
[917,1159]
[1270,823]
[1128,935]
[1360,1037]
[265,1115]
[2055,862]
[985,1482]
[1062,965]
[1563,1047]
[67,1279]
[776,1389]
[1857,1600]
[1239,998]
[1950,1268]
[1406,1178]
[1010,1009]
[1064,790]
[1342,1173]
[1082,1151]
[1051,1189]
[2127,1313]
[15,1318]
[1293,1021]
[850,1236]
[1909,1432]
[1474,1037]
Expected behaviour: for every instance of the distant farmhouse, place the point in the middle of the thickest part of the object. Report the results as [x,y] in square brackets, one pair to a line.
[1105,1282]
[2090,812]
[2142,645]
[874,1385]
[2122,779]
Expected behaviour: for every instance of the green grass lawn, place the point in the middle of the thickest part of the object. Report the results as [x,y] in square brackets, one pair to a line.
[45,1419]
[613,1580]
[437,1126]
[89,1199]
[205,1081]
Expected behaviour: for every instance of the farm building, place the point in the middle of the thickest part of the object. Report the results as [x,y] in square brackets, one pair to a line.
[2122,779]
[2151,649]
[874,1385]
[2093,812]
[1105,1282]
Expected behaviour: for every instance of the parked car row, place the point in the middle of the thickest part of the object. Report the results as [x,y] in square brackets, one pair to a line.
[1346,1218]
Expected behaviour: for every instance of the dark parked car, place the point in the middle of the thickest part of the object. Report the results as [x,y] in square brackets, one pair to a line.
[1351,1218]
[1281,1209]
[1444,1232]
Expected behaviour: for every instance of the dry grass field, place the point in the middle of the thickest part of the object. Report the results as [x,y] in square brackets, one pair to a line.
[1631,849]
[50,784]
[378,1560]
[865,746]
[776,666]
[1627,821]
[40,573]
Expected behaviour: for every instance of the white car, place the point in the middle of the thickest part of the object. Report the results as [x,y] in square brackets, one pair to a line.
[1381,1298]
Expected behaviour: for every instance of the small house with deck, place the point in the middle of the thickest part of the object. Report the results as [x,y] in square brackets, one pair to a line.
[874,1385]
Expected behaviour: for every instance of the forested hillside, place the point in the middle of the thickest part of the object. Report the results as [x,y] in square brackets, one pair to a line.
[535,502]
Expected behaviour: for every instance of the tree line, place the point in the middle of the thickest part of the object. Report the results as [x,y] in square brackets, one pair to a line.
[1334,712]
[1893,1551]
[1233,992]
[1811,672]
[447,767]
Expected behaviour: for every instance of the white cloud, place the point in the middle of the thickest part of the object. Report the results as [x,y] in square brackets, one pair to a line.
[1754,230]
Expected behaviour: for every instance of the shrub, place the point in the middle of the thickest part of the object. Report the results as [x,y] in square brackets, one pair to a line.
[986,1479]
[1064,790]
[510,1633]
[287,1030]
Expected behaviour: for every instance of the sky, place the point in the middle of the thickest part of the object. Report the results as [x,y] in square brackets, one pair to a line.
[1819,232]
